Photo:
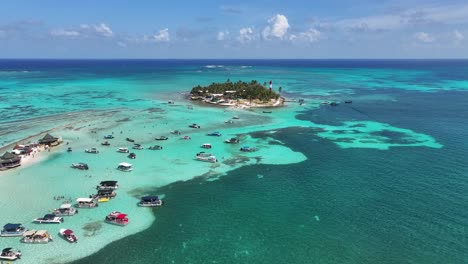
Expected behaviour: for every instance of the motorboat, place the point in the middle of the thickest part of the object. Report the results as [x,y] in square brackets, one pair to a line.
[10,254]
[348,102]
[116,218]
[155,147]
[206,146]
[229,122]
[176,132]
[150,201]
[107,185]
[248,149]
[49,219]
[105,143]
[69,149]
[186,138]
[194,126]
[86,203]
[124,166]
[235,117]
[137,146]
[208,157]
[162,138]
[267,112]
[36,237]
[130,140]
[216,134]
[170,102]
[106,193]
[10,230]
[65,209]
[232,141]
[92,151]
[68,235]
[123,150]
[108,137]
[132,156]
[80,166]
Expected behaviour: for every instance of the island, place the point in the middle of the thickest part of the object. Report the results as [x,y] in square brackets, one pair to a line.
[239,94]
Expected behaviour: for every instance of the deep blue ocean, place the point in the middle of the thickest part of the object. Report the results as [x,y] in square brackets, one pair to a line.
[341,205]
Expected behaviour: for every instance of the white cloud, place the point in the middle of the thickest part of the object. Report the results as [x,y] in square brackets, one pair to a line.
[311,35]
[161,36]
[277,28]
[424,37]
[222,35]
[64,33]
[102,30]
[246,35]
[122,44]
[458,36]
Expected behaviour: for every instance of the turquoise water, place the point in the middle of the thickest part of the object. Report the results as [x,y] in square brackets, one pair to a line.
[381,180]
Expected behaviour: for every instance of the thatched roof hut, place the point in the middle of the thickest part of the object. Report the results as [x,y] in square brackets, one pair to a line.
[9,160]
[48,139]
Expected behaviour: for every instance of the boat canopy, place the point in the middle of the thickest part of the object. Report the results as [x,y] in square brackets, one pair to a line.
[49,216]
[105,192]
[125,164]
[109,183]
[29,232]
[65,206]
[84,200]
[41,233]
[121,216]
[149,198]
[11,226]
[68,232]
[6,250]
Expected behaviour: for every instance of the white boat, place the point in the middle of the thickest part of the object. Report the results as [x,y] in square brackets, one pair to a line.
[137,146]
[208,157]
[123,150]
[104,193]
[124,166]
[232,141]
[49,219]
[80,166]
[92,151]
[65,209]
[104,185]
[10,254]
[86,203]
[117,218]
[150,201]
[206,146]
[36,237]
[10,230]
[68,235]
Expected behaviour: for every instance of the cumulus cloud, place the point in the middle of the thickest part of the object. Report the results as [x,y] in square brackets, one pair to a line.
[162,36]
[222,35]
[424,37]
[277,28]
[311,35]
[246,35]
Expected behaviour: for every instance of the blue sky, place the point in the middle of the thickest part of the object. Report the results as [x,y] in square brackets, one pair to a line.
[233,29]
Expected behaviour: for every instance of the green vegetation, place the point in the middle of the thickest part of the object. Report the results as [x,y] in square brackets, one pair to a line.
[238,90]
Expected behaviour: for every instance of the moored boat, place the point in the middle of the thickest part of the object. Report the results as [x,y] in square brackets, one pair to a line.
[130,140]
[155,147]
[68,235]
[10,230]
[49,219]
[105,143]
[176,132]
[92,151]
[108,137]
[124,166]
[132,156]
[36,237]
[232,141]
[80,166]
[248,149]
[116,218]
[104,185]
[216,134]
[86,203]
[123,150]
[206,146]
[65,209]
[10,254]
[161,138]
[208,157]
[137,146]
[150,201]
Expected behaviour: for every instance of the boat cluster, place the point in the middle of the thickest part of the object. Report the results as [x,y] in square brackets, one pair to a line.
[105,192]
